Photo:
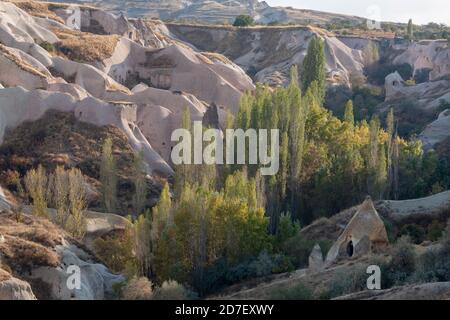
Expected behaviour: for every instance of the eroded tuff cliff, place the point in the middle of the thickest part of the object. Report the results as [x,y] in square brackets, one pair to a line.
[90,68]
[221,11]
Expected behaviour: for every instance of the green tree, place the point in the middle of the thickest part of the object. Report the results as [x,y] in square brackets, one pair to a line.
[108,176]
[348,114]
[36,183]
[243,21]
[76,222]
[140,183]
[313,68]
[410,30]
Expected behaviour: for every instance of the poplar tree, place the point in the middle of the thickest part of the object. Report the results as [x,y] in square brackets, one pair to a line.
[108,176]
[410,30]
[140,184]
[313,68]
[36,183]
[349,114]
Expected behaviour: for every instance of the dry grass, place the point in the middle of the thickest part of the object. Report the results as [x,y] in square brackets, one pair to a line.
[29,242]
[368,34]
[37,9]
[84,46]
[4,275]
[217,57]
[9,54]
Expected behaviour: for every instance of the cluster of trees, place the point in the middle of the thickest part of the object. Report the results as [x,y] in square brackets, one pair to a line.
[185,237]
[63,190]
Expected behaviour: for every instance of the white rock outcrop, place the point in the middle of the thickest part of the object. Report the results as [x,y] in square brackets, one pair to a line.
[436,132]
[15,289]
[96,282]
[4,203]
[430,54]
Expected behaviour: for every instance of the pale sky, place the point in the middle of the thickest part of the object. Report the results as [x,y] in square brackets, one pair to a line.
[421,11]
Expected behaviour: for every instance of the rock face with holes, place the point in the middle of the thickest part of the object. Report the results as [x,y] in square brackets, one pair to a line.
[365,233]
[427,94]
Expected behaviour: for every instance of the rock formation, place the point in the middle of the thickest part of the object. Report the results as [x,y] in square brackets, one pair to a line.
[437,131]
[96,281]
[38,250]
[432,55]
[427,94]
[221,11]
[364,233]
[15,289]
[432,206]
[315,261]
[252,49]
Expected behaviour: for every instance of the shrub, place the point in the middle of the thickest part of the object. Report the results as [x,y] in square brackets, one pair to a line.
[138,289]
[422,75]
[172,290]
[402,264]
[435,231]
[117,252]
[344,283]
[262,266]
[243,21]
[434,264]
[415,232]
[297,292]
[11,179]
[48,46]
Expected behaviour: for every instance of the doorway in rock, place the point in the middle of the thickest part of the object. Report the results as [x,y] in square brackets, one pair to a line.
[350,249]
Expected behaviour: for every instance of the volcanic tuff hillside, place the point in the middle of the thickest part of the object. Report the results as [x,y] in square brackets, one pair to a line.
[220,11]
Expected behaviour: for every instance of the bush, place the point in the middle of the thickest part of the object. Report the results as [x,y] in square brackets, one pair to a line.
[434,265]
[435,231]
[402,264]
[11,179]
[298,249]
[286,229]
[422,75]
[262,266]
[347,282]
[138,289]
[172,290]
[48,46]
[243,21]
[116,251]
[415,232]
[297,292]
